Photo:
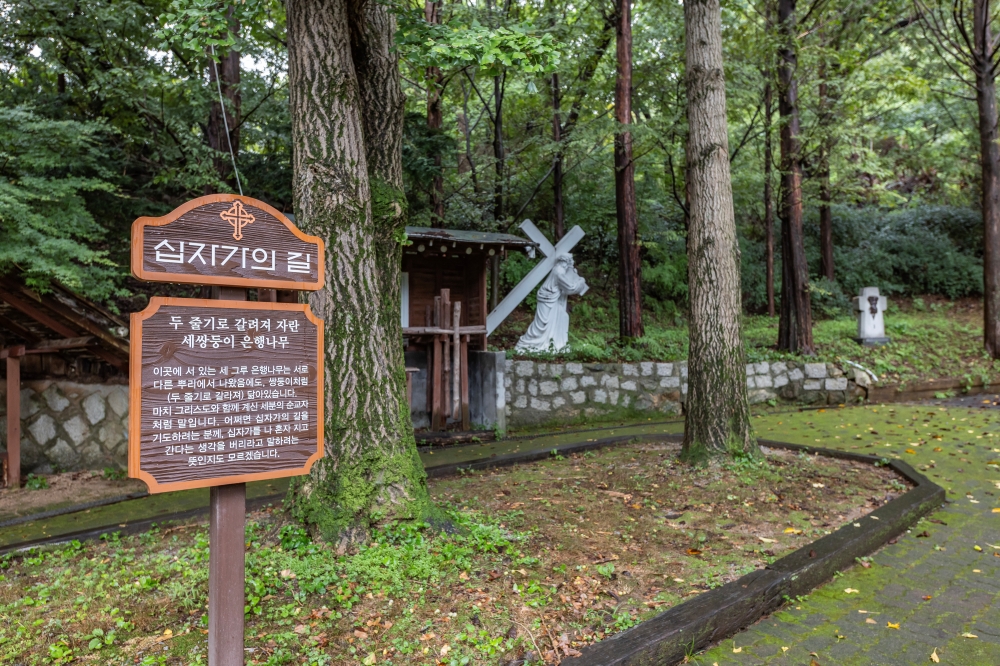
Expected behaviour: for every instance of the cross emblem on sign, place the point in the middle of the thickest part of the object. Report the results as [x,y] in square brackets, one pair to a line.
[537,274]
[238,217]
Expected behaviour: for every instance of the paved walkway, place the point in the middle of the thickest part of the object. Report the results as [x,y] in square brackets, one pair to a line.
[930,594]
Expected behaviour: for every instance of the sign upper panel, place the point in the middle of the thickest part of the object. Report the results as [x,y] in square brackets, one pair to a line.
[226,239]
[224,392]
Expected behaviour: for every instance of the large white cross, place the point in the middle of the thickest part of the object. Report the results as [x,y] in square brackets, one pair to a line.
[537,274]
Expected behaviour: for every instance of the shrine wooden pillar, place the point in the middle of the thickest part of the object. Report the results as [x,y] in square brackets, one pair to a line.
[14,355]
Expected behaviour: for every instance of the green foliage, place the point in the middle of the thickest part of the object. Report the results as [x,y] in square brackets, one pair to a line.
[47,170]
[463,42]
[34,482]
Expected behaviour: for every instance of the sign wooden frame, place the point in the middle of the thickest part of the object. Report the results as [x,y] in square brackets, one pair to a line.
[135,391]
[138,246]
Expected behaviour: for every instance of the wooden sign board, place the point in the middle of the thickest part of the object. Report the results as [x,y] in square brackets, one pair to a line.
[224,392]
[226,239]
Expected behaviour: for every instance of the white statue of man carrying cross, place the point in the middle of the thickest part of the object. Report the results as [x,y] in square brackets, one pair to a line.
[550,329]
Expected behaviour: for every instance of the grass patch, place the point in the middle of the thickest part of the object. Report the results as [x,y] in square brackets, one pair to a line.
[930,338]
[544,557]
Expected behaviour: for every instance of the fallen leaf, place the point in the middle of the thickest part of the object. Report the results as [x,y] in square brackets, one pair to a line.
[938,449]
[428,636]
[287,573]
[923,535]
[927,597]
[737,650]
[911,451]
[968,635]
[813,662]
[693,551]
[996,509]
[358,634]
[850,590]
[303,629]
[445,650]
[870,621]
[977,549]
[463,576]
[766,540]
[934,657]
[784,649]
[370,659]
[792,530]
[892,625]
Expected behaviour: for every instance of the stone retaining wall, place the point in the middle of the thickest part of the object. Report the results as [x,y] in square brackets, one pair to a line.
[538,392]
[68,426]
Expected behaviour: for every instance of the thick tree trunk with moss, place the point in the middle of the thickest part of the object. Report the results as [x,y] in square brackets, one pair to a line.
[717,417]
[346,111]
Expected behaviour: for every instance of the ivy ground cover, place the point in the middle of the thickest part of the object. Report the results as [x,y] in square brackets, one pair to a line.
[532,564]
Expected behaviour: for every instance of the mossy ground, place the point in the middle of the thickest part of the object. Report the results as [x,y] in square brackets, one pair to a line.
[934,591]
[555,554]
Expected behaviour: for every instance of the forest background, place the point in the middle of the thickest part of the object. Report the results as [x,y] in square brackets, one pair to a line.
[110,110]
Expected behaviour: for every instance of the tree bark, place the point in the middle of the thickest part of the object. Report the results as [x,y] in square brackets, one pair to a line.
[498,150]
[227,70]
[717,415]
[435,119]
[346,109]
[558,222]
[629,267]
[825,193]
[986,100]
[795,320]
[768,196]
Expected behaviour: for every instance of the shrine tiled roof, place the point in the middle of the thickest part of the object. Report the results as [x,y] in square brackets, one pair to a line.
[467,237]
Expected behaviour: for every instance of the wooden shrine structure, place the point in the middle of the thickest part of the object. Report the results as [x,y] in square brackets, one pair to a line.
[444,308]
[58,334]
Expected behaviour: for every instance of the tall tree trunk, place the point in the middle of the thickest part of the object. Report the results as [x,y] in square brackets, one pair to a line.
[795,320]
[825,193]
[435,119]
[557,174]
[629,273]
[768,196]
[346,109]
[717,415]
[498,150]
[227,70]
[986,100]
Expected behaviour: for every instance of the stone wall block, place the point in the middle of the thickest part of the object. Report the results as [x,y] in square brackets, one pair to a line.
[751,382]
[533,387]
[796,375]
[836,384]
[609,381]
[812,385]
[587,380]
[600,396]
[664,369]
[558,402]
[779,368]
[118,401]
[780,380]
[524,368]
[548,388]
[630,370]
[816,370]
[43,429]
[29,403]
[520,386]
[578,398]
[683,365]
[670,382]
[93,407]
[62,455]
[55,399]
[77,429]
[540,405]
[570,384]
[764,381]
[574,368]
[762,368]
[613,397]
[646,368]
[629,385]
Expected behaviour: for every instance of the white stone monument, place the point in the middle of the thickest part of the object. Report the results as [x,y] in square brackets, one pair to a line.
[870,307]
[550,329]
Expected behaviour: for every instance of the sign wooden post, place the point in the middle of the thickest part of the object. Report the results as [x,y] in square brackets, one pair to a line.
[225,391]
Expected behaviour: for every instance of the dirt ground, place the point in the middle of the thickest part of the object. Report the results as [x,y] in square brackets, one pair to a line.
[64,490]
[543,560]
